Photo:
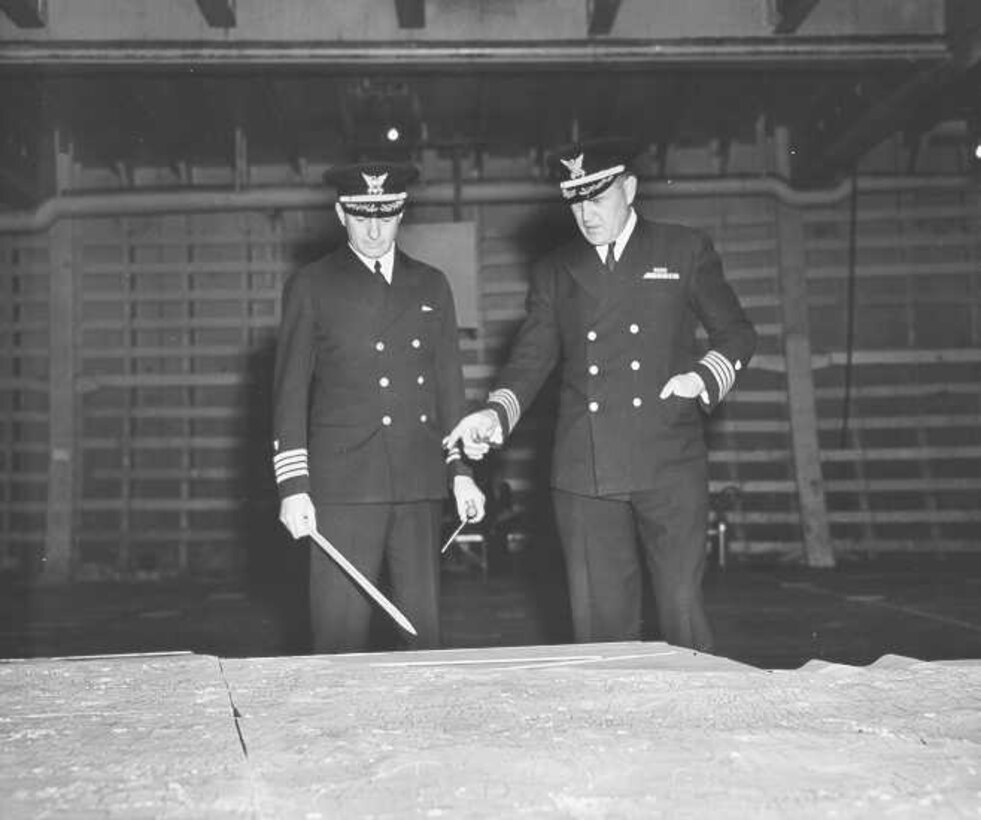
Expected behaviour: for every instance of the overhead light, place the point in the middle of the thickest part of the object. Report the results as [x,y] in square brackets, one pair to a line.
[973,123]
[393,134]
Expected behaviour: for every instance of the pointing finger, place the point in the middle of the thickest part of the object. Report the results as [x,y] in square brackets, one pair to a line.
[455,435]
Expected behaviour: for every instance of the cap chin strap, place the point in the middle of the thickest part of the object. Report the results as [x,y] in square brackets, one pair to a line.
[373,208]
[588,191]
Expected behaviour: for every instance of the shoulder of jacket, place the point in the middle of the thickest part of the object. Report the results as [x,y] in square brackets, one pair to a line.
[316,269]
[563,255]
[676,233]
[416,264]
[426,273]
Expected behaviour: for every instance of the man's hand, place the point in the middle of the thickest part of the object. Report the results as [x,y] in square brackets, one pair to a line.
[297,514]
[476,433]
[684,385]
[469,499]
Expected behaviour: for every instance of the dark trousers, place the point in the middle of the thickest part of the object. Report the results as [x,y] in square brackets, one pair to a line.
[405,537]
[607,543]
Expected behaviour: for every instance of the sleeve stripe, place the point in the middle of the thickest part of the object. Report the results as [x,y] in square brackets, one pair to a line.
[292,460]
[290,454]
[716,371]
[509,401]
[722,369]
[452,455]
[285,475]
[290,464]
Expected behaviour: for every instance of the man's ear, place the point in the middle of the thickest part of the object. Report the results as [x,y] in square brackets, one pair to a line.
[630,187]
[341,216]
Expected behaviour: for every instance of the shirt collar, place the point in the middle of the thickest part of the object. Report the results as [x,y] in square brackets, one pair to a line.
[387,262]
[621,240]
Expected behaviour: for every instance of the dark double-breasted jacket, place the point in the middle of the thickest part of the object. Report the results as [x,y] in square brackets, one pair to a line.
[367,382]
[617,337]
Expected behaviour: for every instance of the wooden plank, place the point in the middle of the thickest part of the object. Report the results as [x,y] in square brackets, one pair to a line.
[800,389]
[87,383]
[178,505]
[871,485]
[968,387]
[968,452]
[967,420]
[860,516]
[886,545]
[906,516]
[878,545]
[173,473]
[164,442]
[912,485]
[960,355]
[163,536]
[59,520]
[179,323]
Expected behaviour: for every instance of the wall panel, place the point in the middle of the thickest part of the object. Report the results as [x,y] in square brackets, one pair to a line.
[176,324]
[899,414]
[25,280]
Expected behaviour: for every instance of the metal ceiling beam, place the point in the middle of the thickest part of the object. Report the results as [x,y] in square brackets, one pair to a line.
[601,15]
[831,53]
[218,13]
[411,13]
[895,112]
[883,118]
[789,14]
[26,13]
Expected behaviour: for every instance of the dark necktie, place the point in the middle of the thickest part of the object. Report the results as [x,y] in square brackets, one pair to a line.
[378,270]
[611,259]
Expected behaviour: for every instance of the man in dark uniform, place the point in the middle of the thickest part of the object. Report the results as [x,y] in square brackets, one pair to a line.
[616,312]
[368,379]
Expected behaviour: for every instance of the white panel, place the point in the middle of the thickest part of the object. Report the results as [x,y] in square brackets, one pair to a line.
[451,247]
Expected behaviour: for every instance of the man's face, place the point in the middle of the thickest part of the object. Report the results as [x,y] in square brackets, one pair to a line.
[371,236]
[602,218]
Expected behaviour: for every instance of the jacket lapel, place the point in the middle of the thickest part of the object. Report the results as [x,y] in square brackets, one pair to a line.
[583,264]
[629,270]
[403,294]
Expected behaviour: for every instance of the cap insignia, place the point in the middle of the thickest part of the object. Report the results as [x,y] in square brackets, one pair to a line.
[574,166]
[376,185]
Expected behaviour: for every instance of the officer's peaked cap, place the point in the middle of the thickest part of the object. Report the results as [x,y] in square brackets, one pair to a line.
[586,169]
[372,188]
